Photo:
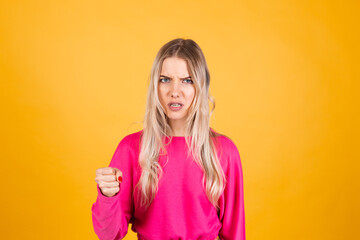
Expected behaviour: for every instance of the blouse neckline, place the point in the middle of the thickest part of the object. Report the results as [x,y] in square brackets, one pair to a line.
[176,137]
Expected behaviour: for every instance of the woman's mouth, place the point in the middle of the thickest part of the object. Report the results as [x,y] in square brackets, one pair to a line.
[175,106]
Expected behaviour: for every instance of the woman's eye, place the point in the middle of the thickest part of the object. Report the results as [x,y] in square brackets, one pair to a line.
[167,80]
[188,80]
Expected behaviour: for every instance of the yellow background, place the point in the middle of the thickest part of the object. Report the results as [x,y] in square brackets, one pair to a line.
[285,76]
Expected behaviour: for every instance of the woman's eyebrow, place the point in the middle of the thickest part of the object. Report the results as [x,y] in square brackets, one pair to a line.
[170,77]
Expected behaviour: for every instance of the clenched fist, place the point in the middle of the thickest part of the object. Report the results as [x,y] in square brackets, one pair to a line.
[109,180]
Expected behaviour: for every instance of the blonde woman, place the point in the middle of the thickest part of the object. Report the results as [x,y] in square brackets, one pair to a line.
[176,178]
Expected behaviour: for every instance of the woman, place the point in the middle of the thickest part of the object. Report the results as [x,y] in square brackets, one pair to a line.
[177,178]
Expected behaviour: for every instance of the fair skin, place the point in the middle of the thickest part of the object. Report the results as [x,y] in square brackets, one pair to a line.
[175,85]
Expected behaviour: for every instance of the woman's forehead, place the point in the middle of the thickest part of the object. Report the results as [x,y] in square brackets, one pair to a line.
[174,67]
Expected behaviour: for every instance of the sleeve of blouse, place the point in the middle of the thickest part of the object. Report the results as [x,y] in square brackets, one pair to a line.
[232,214]
[111,215]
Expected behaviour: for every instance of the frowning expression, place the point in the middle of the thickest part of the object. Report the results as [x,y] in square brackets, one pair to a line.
[176,90]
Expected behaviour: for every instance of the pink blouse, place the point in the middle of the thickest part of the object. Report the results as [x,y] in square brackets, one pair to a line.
[181,209]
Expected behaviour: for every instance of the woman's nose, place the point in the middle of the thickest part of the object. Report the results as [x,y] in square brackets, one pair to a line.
[175,89]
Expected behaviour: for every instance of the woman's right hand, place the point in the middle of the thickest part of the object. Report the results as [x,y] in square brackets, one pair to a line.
[109,180]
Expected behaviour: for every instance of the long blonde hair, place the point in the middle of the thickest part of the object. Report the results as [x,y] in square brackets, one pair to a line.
[200,138]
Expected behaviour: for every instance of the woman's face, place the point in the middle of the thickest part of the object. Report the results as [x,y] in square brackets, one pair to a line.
[175,87]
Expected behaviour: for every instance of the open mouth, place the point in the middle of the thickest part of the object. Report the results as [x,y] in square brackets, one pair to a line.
[175,106]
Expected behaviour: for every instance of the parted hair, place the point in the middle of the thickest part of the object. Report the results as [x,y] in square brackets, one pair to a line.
[200,138]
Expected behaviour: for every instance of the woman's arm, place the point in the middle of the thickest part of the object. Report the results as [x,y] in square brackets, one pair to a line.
[232,214]
[111,215]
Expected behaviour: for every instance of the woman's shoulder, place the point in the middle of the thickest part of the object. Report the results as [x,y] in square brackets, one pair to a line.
[224,139]
[227,151]
[226,144]
[131,139]
[134,135]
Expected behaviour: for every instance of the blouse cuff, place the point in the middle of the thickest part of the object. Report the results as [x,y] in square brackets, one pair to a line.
[104,198]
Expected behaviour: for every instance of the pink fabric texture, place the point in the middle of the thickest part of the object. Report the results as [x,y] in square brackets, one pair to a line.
[181,209]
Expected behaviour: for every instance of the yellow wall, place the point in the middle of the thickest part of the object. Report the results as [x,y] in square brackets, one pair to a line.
[284,74]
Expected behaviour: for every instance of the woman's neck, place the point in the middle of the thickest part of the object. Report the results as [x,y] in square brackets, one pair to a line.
[177,129]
